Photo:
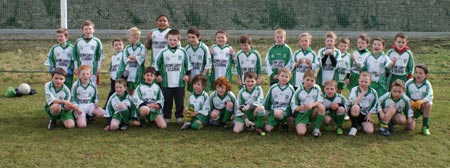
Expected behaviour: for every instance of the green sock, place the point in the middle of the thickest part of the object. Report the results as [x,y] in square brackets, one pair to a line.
[259,121]
[340,119]
[426,121]
[226,115]
[319,121]
[383,124]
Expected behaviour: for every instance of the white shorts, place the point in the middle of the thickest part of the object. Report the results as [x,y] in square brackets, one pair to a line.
[87,109]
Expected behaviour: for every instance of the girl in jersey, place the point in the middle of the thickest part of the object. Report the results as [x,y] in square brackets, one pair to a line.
[156,39]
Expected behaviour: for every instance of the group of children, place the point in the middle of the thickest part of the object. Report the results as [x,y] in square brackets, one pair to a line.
[305,87]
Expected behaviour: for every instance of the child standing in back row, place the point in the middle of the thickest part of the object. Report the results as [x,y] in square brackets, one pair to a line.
[304,59]
[402,60]
[61,56]
[378,64]
[343,64]
[278,56]
[328,57]
[173,69]
[117,66]
[222,56]
[247,60]
[134,58]
[199,55]
[156,39]
[357,60]
[88,50]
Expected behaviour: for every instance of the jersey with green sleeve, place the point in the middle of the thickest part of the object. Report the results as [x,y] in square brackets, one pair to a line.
[327,69]
[135,69]
[358,63]
[343,67]
[172,64]
[404,64]
[51,93]
[84,94]
[277,57]
[222,60]
[305,97]
[254,97]
[200,103]
[150,93]
[423,91]
[377,66]
[219,102]
[159,42]
[60,56]
[279,98]
[368,104]
[117,66]
[297,77]
[112,106]
[401,105]
[200,58]
[337,98]
[250,62]
[88,53]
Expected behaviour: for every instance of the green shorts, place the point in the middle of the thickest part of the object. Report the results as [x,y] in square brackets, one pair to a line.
[341,86]
[354,77]
[62,116]
[272,121]
[132,85]
[203,119]
[123,116]
[381,90]
[249,115]
[304,118]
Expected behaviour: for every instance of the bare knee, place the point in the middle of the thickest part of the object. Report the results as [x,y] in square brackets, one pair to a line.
[229,105]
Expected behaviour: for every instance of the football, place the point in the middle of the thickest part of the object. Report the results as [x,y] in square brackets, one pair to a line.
[24,88]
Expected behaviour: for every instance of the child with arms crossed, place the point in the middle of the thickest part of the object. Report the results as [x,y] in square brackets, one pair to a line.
[134,59]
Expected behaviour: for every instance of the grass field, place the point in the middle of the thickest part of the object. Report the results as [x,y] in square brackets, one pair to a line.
[25,141]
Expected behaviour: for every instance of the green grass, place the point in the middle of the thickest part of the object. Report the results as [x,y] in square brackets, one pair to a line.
[25,141]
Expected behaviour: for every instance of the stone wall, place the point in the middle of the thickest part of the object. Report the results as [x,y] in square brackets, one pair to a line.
[320,15]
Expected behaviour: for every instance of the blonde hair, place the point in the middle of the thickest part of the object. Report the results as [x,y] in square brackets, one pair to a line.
[330,83]
[399,83]
[134,31]
[365,74]
[331,34]
[365,37]
[64,31]
[280,31]
[310,73]
[307,35]
[284,70]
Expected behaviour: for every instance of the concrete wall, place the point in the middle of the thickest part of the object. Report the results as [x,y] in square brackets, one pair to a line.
[313,15]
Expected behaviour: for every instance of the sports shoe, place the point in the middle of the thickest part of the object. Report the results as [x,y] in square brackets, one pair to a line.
[328,127]
[167,120]
[425,130]
[51,124]
[186,126]
[222,126]
[347,117]
[212,122]
[339,131]
[385,132]
[391,126]
[179,120]
[90,118]
[285,127]
[260,131]
[353,131]
[316,132]
[124,127]
[143,123]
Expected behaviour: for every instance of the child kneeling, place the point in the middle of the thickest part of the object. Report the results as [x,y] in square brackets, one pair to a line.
[119,108]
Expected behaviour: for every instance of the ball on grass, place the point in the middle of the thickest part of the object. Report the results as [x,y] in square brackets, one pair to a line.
[24,88]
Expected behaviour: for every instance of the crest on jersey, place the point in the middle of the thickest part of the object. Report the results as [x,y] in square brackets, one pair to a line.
[167,58]
[92,47]
[253,61]
[179,58]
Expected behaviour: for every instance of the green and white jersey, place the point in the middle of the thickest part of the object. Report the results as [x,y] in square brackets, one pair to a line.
[401,105]
[60,57]
[200,103]
[419,92]
[219,102]
[337,98]
[112,106]
[88,53]
[222,60]
[369,102]
[254,97]
[277,57]
[150,93]
[305,97]
[200,58]
[159,42]
[404,64]
[250,62]
[297,77]
[135,69]
[172,64]
[327,69]
[360,58]
[279,98]
[377,66]
[52,94]
[343,67]
[84,94]
[117,65]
